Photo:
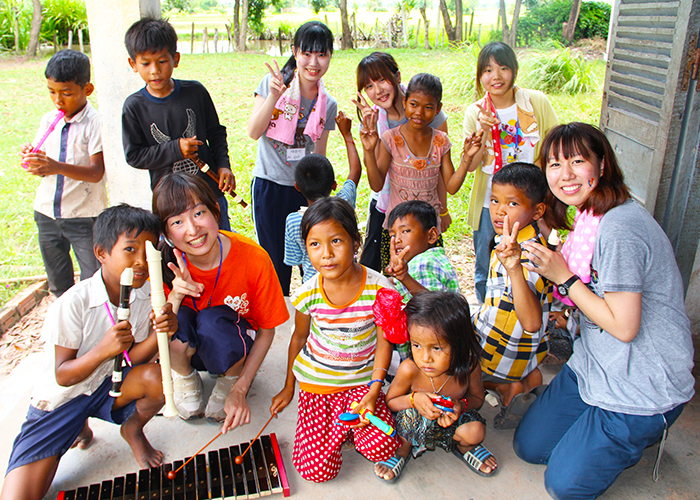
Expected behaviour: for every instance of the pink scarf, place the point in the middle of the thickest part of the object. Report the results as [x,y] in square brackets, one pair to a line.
[283,124]
[579,246]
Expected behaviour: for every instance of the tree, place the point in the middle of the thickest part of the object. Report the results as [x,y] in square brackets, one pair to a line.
[513,34]
[243,35]
[424,15]
[503,19]
[318,5]
[346,40]
[37,16]
[454,33]
[570,27]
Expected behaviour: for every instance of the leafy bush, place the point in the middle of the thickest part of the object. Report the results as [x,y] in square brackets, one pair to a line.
[60,16]
[11,10]
[559,71]
[544,20]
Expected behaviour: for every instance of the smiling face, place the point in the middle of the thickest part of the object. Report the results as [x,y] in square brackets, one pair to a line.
[311,66]
[573,179]
[497,79]
[430,355]
[381,92]
[69,96]
[194,231]
[407,231]
[508,200]
[156,69]
[331,249]
[421,109]
[128,251]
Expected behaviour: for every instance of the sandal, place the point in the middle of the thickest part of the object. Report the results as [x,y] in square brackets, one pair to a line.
[510,415]
[475,458]
[396,464]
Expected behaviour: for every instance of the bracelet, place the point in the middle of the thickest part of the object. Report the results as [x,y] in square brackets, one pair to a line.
[413,403]
[375,380]
[466,404]
[447,212]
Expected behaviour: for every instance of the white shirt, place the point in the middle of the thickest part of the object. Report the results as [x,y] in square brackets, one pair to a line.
[77,198]
[79,320]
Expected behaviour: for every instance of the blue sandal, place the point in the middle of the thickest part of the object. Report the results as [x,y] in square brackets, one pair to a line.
[475,458]
[396,464]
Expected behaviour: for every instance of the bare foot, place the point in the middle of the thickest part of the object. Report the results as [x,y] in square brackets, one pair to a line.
[146,455]
[84,438]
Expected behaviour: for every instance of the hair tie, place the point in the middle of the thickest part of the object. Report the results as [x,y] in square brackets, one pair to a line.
[388,309]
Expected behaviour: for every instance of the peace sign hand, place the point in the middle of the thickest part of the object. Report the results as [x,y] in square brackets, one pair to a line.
[365,109]
[277,86]
[398,266]
[183,284]
[472,145]
[508,250]
[487,119]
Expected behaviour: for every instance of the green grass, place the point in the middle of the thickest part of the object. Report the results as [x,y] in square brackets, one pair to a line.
[231,79]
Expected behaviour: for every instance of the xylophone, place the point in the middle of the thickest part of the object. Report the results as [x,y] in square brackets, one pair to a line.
[261,473]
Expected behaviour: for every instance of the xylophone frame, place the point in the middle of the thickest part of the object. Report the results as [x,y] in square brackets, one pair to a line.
[262,473]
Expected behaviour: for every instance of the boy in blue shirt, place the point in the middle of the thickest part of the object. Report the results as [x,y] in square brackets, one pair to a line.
[71,167]
[314,179]
[81,344]
[169,122]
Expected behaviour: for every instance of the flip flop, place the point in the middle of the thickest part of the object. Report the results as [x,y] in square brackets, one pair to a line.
[510,415]
[475,458]
[396,464]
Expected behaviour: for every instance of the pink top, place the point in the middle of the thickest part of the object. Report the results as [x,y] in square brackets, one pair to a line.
[414,177]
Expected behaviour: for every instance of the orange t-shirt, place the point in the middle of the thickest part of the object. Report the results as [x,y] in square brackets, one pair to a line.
[248,284]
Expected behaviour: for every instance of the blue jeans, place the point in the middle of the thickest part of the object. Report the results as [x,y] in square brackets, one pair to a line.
[482,252]
[584,447]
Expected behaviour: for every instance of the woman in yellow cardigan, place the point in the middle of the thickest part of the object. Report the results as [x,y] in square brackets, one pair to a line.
[515,121]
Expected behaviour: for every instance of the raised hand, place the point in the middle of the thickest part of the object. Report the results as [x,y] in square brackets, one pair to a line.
[344,125]
[277,86]
[117,339]
[365,108]
[472,145]
[398,267]
[547,263]
[189,146]
[183,284]
[368,134]
[487,119]
[508,250]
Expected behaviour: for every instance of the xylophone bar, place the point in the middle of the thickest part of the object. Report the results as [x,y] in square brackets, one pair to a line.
[262,473]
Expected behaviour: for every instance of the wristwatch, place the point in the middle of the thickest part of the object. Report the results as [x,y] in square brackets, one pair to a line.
[563,289]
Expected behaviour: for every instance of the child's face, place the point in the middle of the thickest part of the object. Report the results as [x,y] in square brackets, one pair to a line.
[156,69]
[508,200]
[194,231]
[311,66]
[431,356]
[331,249]
[421,109]
[496,79]
[408,232]
[69,96]
[128,251]
[573,180]
[381,92]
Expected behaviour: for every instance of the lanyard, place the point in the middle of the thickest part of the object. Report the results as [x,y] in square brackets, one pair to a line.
[496,137]
[218,272]
[304,118]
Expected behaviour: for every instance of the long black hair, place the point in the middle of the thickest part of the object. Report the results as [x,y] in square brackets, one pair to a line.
[312,36]
[447,314]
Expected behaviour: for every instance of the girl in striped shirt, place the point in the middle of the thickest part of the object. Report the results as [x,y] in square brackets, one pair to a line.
[337,353]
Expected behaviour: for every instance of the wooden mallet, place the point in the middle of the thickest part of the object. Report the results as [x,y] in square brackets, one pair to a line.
[239,458]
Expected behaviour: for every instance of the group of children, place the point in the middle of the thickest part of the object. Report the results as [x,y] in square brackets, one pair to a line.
[225,293]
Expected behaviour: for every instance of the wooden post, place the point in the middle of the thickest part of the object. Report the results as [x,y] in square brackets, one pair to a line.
[228,34]
[70,39]
[192,40]
[80,41]
[471,22]
[478,36]
[427,34]
[279,39]
[437,28]
[55,43]
[205,41]
[417,33]
[354,31]
[376,32]
[216,40]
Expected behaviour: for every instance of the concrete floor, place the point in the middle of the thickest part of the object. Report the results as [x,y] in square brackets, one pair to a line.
[433,475]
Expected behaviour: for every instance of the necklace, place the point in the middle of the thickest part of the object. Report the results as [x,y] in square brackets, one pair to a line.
[437,391]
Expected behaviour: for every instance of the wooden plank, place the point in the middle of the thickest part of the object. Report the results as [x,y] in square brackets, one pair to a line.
[618,63]
[637,19]
[649,6]
[632,92]
[634,102]
[643,55]
[646,31]
[640,80]
[657,44]
[635,127]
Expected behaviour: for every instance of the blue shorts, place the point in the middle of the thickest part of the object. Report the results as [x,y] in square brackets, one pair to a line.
[51,433]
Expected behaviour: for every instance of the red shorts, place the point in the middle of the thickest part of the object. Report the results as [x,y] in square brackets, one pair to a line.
[318,442]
